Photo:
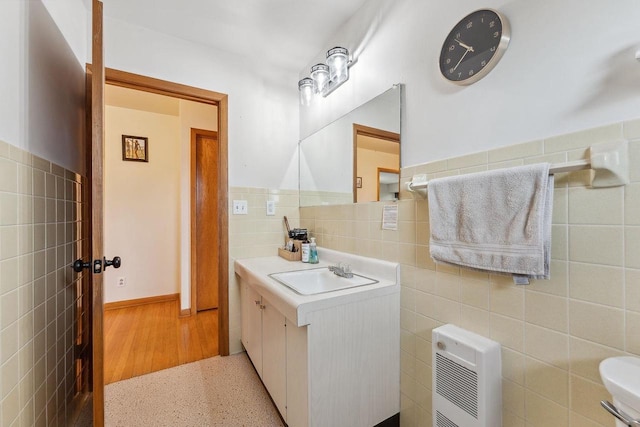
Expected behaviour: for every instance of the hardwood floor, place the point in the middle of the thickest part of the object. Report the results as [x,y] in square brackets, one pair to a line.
[151,337]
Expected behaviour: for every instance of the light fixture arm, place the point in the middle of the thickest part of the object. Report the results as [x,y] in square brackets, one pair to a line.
[331,86]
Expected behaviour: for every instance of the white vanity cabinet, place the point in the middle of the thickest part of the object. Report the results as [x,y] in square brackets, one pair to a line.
[252,325]
[330,359]
[263,336]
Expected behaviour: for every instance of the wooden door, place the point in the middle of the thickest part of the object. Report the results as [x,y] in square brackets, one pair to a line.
[97,253]
[206,267]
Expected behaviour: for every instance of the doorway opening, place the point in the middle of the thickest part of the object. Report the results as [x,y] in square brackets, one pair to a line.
[183,308]
[376,164]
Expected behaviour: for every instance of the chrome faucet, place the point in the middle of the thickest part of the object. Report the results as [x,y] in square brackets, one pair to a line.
[342,270]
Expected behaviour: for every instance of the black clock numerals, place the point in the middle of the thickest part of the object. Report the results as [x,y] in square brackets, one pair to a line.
[471,44]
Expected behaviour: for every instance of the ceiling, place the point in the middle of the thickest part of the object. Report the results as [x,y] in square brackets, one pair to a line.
[288,33]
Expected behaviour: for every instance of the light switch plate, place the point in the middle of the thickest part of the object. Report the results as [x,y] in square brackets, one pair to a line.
[240,207]
[271,207]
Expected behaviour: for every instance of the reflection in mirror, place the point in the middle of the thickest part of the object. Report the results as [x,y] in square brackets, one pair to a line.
[388,184]
[375,150]
[330,159]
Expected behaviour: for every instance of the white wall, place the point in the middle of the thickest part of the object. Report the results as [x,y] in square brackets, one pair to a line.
[570,66]
[12,71]
[42,79]
[142,205]
[263,126]
[73,20]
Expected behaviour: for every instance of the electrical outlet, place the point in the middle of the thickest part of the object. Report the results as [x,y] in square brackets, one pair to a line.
[122,281]
[240,207]
[271,207]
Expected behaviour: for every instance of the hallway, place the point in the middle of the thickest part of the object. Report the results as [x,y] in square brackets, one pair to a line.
[151,337]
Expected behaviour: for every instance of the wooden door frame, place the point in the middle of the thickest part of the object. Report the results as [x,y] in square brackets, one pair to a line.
[190,93]
[194,265]
[362,130]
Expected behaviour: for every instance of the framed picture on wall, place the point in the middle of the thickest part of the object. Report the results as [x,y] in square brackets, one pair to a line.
[135,148]
[358,182]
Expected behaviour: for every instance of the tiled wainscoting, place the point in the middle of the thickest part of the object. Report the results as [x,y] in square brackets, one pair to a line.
[554,333]
[316,198]
[42,300]
[255,235]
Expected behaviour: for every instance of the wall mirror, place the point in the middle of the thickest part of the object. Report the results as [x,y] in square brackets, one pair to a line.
[355,158]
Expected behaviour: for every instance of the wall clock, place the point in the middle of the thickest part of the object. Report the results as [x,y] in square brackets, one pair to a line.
[474,46]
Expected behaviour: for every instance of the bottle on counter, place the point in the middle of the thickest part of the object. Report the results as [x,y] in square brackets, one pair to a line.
[313,251]
[305,246]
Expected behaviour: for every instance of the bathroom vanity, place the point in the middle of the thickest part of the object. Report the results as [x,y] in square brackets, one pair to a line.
[330,358]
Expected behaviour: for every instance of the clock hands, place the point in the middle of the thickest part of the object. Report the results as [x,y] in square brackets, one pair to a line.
[463,55]
[466,46]
[468,49]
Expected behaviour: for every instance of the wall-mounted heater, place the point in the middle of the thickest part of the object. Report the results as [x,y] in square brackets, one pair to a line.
[467,379]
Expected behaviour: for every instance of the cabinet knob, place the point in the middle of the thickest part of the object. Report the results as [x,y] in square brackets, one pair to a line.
[257,302]
[262,306]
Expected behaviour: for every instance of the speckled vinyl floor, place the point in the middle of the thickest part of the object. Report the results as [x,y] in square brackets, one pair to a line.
[219,391]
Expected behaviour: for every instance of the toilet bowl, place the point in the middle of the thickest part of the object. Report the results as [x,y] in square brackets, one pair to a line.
[621,377]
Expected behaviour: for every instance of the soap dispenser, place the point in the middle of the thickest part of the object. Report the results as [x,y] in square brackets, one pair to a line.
[313,251]
[305,251]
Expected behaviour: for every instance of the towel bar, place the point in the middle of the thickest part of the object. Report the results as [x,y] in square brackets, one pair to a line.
[609,161]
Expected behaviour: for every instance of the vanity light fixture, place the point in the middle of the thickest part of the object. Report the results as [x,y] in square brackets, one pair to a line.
[325,78]
[320,77]
[305,86]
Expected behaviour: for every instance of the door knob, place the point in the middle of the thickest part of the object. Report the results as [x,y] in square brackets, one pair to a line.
[78,265]
[116,262]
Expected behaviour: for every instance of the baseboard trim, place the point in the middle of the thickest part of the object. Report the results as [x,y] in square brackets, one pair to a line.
[141,301]
[185,313]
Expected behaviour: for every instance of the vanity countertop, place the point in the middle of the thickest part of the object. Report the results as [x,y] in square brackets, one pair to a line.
[296,307]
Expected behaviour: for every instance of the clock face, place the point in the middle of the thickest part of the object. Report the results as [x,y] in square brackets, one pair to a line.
[474,46]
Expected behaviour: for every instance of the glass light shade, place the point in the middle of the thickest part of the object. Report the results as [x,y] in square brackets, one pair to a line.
[305,86]
[320,76]
[338,62]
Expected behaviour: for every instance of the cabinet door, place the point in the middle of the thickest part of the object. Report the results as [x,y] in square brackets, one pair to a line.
[274,355]
[252,326]
[297,376]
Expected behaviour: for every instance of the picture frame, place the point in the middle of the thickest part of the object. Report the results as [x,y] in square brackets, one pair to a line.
[358,182]
[135,148]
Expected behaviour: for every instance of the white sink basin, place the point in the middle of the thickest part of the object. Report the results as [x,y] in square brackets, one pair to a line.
[621,377]
[319,280]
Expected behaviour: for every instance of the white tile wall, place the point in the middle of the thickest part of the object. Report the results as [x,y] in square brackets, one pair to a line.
[254,235]
[554,333]
[39,301]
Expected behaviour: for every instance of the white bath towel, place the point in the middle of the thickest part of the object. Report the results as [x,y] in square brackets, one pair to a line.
[497,221]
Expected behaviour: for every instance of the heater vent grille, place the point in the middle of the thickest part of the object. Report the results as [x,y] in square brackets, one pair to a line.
[442,421]
[457,384]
